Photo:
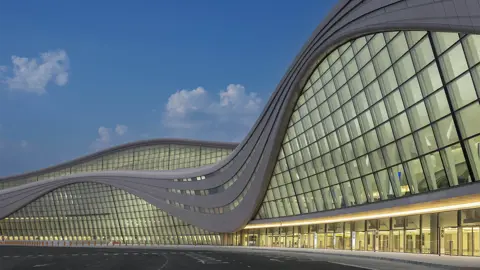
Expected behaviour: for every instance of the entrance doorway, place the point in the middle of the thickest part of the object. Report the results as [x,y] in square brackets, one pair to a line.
[398,239]
[471,241]
[371,245]
[384,241]
[449,245]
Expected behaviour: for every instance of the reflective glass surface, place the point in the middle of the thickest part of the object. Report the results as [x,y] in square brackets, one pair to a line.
[381,117]
[97,212]
[155,157]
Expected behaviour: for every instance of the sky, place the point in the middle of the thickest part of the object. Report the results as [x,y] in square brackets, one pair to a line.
[81,76]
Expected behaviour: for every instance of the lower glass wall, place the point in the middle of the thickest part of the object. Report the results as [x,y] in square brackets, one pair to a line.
[455,233]
[100,214]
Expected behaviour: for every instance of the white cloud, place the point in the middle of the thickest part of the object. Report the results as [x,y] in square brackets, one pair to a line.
[33,75]
[107,137]
[121,129]
[103,140]
[184,102]
[192,113]
[23,144]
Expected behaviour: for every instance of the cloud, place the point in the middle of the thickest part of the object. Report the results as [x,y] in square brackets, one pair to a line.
[33,75]
[229,116]
[121,129]
[106,136]
[23,144]
[103,140]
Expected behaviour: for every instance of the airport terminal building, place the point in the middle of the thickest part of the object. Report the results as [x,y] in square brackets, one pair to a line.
[371,142]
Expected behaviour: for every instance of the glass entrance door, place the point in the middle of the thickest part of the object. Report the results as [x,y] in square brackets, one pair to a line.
[347,241]
[471,241]
[398,239]
[371,241]
[449,245]
[412,241]
[384,241]
[330,241]
[338,241]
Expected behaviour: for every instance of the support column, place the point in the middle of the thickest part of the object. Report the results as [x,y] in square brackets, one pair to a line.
[434,235]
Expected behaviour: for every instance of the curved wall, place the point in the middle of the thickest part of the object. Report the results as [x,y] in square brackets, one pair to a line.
[157,154]
[383,116]
[237,185]
[97,212]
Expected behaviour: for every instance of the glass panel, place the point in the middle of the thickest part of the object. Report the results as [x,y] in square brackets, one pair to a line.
[411,92]
[371,188]
[471,45]
[445,131]
[418,116]
[383,183]
[454,162]
[422,54]
[437,105]
[444,40]
[462,91]
[416,177]
[434,171]
[401,125]
[359,191]
[453,62]
[467,119]
[473,149]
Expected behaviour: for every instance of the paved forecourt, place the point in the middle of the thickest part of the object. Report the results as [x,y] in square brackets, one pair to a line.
[15,257]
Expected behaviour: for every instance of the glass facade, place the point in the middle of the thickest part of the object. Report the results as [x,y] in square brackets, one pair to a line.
[155,157]
[100,213]
[383,116]
[455,233]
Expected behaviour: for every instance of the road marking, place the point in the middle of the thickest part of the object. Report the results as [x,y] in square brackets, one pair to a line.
[353,265]
[275,260]
[42,265]
[154,253]
[6,256]
[115,254]
[125,253]
[105,254]
[166,262]
[16,256]
[74,254]
[145,253]
[84,254]
[40,255]
[50,255]
[135,253]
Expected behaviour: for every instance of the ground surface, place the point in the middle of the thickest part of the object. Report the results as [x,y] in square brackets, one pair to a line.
[43,258]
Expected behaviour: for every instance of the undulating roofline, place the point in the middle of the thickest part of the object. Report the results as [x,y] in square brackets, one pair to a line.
[122,147]
[236,185]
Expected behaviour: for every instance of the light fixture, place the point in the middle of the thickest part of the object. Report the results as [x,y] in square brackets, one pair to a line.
[367,216]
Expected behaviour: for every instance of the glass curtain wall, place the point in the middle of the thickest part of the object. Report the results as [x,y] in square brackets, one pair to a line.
[101,213]
[381,117]
[155,157]
[454,233]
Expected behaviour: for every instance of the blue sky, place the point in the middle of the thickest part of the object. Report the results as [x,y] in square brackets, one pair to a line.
[79,76]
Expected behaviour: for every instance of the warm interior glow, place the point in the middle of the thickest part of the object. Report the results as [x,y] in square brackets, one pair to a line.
[457,203]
